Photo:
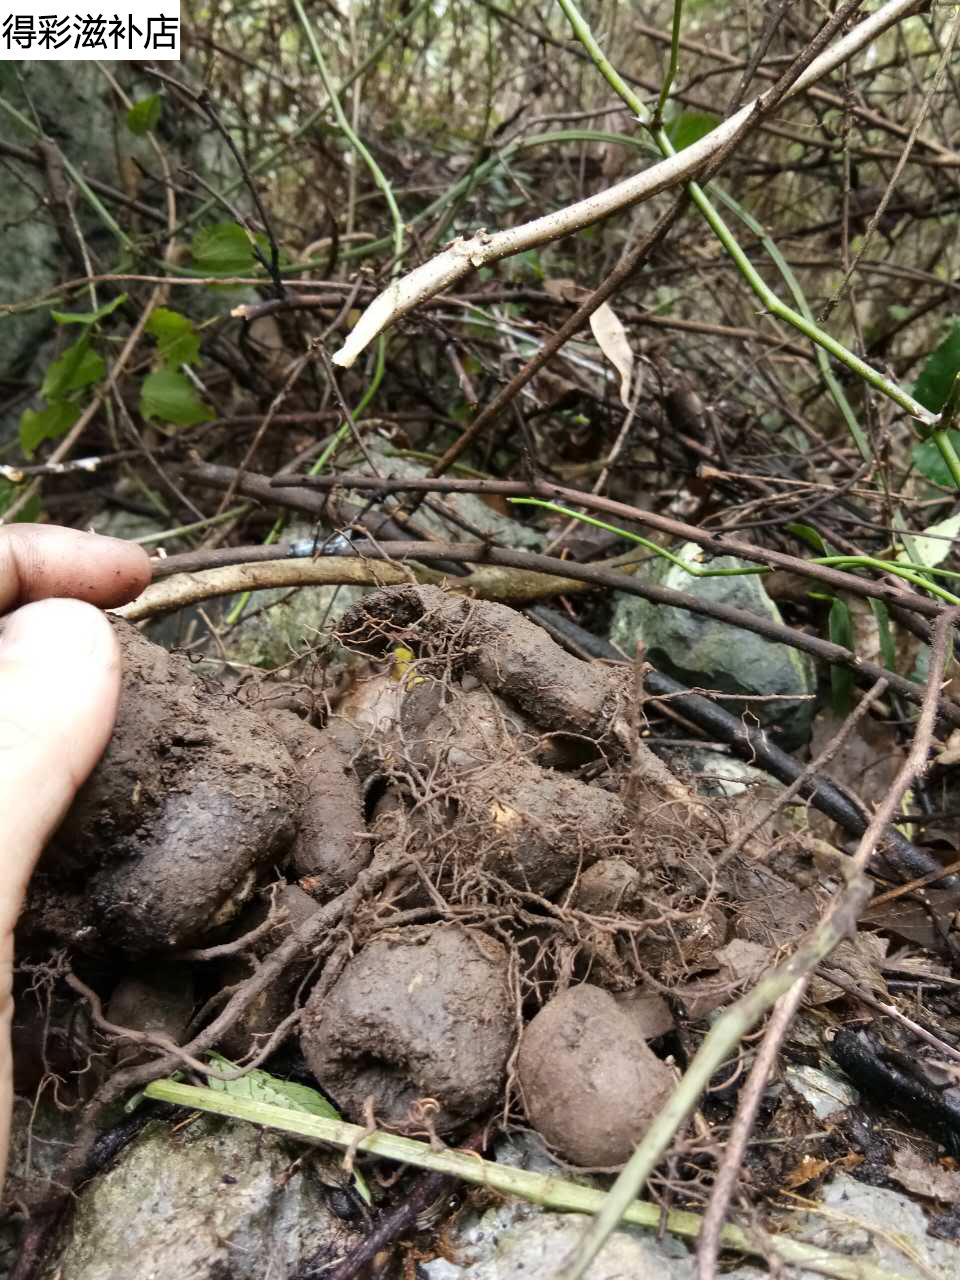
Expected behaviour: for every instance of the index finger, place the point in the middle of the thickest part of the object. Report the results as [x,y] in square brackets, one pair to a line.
[39,560]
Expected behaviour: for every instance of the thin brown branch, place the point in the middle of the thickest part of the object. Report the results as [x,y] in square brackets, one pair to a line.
[708,1242]
[540,577]
[718,543]
[728,1031]
[617,278]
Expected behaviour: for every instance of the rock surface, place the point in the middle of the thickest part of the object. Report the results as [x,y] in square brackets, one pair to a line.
[535,1249]
[860,1222]
[77,105]
[216,1199]
[708,654]
[717,773]
[882,1227]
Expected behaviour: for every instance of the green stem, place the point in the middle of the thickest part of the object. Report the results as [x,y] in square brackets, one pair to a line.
[917,575]
[268,161]
[947,452]
[873,377]
[352,137]
[674,63]
[793,284]
[695,571]
[88,193]
[504,1179]
[182,530]
[378,370]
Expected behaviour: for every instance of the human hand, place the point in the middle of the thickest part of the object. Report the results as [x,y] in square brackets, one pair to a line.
[59,687]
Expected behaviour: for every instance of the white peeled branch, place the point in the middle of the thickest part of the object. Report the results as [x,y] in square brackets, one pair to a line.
[462,256]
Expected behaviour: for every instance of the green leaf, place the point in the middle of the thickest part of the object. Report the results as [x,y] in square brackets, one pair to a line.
[77,368]
[912,552]
[175,335]
[31,509]
[936,377]
[223,249]
[49,424]
[690,126]
[89,317]
[928,459]
[888,649]
[808,535]
[145,114]
[170,397]
[261,1086]
[841,678]
[136,1100]
[529,259]
[929,548]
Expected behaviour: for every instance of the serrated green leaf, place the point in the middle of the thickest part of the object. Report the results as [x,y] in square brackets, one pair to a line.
[942,366]
[47,424]
[170,397]
[89,317]
[690,126]
[261,1086]
[841,678]
[223,249]
[928,460]
[176,337]
[145,114]
[929,548]
[77,368]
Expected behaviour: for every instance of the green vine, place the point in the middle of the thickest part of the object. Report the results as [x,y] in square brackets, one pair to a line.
[803,323]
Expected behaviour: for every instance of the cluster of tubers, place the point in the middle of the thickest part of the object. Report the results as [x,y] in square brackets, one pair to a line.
[492,768]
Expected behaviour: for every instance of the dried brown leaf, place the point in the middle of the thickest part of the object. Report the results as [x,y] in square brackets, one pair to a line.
[924,1178]
[612,340]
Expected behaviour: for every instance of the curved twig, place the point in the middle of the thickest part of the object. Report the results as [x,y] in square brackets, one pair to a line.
[464,256]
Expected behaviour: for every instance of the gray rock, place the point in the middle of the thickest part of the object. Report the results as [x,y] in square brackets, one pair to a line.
[474,1236]
[878,1226]
[215,1199]
[74,106]
[536,1248]
[114,522]
[41,1136]
[287,625]
[517,1241]
[712,655]
[714,773]
[469,507]
[826,1094]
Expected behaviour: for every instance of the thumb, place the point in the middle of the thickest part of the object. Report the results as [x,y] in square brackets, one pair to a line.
[59,688]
